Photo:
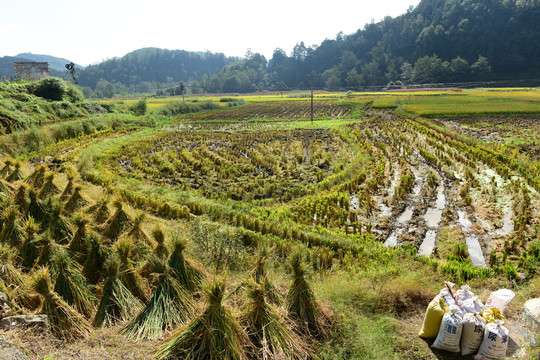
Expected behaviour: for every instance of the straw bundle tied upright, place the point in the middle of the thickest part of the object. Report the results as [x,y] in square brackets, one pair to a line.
[168,307]
[213,334]
[63,321]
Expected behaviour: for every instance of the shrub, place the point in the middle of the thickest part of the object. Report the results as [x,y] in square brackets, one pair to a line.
[51,88]
[140,107]
[93,108]
[73,93]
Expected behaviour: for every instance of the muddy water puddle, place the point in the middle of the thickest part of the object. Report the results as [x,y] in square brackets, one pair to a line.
[406,216]
[385,210]
[508,222]
[433,217]
[392,239]
[428,244]
[475,250]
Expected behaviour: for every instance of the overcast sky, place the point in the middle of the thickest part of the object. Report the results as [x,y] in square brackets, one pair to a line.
[90,31]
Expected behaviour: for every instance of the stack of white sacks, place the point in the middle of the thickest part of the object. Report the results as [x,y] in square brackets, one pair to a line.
[460,322]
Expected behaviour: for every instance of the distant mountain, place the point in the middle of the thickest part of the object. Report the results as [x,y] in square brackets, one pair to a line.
[55,63]
[154,65]
[6,66]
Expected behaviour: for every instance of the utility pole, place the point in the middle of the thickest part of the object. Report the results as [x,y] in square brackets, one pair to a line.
[312,76]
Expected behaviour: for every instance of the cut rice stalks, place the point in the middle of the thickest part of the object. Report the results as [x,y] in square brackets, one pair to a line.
[312,319]
[70,284]
[169,307]
[64,322]
[188,274]
[268,329]
[117,304]
[214,334]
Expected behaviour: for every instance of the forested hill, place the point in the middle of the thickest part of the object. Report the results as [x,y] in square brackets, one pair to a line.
[438,41]
[149,65]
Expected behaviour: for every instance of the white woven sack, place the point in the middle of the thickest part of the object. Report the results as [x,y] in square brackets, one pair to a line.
[500,299]
[471,305]
[450,331]
[446,295]
[495,341]
[464,293]
[473,333]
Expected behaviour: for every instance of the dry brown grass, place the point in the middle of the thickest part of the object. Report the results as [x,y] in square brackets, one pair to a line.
[101,344]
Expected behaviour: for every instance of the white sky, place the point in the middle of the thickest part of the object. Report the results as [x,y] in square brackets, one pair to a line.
[90,31]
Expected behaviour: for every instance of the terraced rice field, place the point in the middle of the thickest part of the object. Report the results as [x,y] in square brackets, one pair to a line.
[371,203]
[275,110]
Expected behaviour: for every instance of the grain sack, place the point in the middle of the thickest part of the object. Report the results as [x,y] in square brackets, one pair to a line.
[500,299]
[449,335]
[471,305]
[447,294]
[495,341]
[492,315]
[464,294]
[473,333]
[530,321]
[432,320]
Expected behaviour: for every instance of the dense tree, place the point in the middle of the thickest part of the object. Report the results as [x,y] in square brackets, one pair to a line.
[438,41]
[104,89]
[153,64]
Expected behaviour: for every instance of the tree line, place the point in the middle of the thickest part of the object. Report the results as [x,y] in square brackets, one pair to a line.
[438,41]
